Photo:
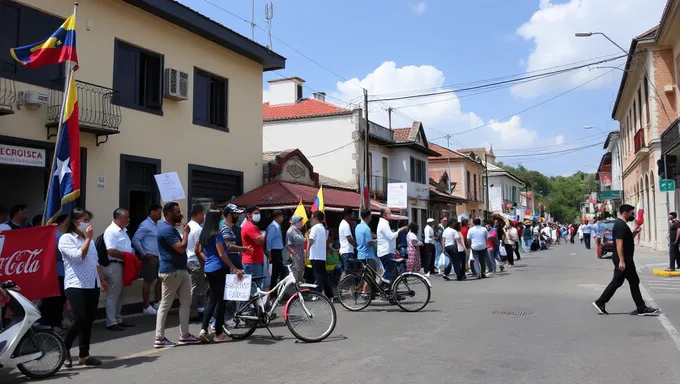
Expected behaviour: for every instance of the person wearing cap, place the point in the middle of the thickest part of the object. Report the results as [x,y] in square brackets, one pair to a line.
[228,230]
[427,256]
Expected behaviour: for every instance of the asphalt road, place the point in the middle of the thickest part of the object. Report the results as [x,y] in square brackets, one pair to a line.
[462,336]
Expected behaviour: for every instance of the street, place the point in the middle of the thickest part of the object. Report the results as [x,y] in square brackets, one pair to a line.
[534,324]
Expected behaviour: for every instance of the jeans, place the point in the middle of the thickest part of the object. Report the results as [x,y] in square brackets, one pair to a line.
[321,277]
[674,254]
[389,264]
[174,284]
[527,244]
[629,274]
[113,273]
[216,303]
[254,270]
[586,239]
[457,262]
[198,286]
[83,305]
[491,256]
[509,250]
[344,258]
[279,271]
[480,258]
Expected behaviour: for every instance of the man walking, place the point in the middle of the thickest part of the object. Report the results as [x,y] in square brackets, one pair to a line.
[347,242]
[430,240]
[117,244]
[387,243]
[145,241]
[587,230]
[477,236]
[174,276]
[316,253]
[194,264]
[624,266]
[674,241]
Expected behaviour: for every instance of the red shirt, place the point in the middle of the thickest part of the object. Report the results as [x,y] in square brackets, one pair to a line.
[464,232]
[249,232]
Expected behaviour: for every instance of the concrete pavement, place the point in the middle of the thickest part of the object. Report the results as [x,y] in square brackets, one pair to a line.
[467,334]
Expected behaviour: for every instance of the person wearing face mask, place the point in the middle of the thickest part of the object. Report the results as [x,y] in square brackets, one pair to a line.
[295,244]
[252,237]
[117,244]
[83,277]
[624,266]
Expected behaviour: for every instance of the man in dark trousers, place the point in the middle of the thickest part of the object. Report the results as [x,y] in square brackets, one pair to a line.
[624,266]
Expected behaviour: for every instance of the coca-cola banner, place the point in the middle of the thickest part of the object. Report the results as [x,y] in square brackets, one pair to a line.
[28,257]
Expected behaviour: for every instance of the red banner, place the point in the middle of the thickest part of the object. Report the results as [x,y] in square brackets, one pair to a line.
[28,257]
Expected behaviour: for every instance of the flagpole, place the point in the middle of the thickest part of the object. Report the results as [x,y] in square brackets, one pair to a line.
[67,81]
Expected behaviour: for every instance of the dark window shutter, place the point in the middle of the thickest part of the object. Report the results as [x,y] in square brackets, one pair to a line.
[201,98]
[221,103]
[151,80]
[9,33]
[35,26]
[125,74]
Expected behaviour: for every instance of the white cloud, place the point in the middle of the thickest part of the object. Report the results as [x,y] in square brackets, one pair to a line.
[265,96]
[552,28]
[419,7]
[559,139]
[511,132]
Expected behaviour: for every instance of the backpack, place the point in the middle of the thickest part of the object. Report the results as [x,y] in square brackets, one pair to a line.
[100,246]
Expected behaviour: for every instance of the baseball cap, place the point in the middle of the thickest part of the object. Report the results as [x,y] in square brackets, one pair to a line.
[295,219]
[232,208]
[430,220]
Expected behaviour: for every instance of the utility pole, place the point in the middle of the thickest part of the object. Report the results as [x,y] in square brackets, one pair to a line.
[389,116]
[366,165]
[486,178]
[448,162]
[252,22]
[665,176]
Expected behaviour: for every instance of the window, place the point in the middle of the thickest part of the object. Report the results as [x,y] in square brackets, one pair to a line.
[635,116]
[298,93]
[640,106]
[475,186]
[21,25]
[418,172]
[137,78]
[646,87]
[467,181]
[210,100]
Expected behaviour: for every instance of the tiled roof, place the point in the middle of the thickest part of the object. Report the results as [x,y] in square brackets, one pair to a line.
[305,108]
[445,152]
[280,193]
[401,135]
[436,175]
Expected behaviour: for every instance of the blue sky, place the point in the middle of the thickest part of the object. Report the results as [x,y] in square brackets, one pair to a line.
[397,47]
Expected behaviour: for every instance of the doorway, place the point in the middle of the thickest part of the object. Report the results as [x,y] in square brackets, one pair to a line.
[138,187]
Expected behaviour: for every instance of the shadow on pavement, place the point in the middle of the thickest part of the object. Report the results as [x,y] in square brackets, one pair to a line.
[14,376]
[129,362]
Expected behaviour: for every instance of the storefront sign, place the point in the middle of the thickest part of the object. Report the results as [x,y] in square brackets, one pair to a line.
[31,157]
[397,195]
[101,182]
[27,257]
[170,187]
[610,195]
[605,179]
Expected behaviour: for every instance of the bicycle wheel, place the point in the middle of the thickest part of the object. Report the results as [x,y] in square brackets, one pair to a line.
[52,347]
[352,294]
[314,328]
[411,292]
[235,326]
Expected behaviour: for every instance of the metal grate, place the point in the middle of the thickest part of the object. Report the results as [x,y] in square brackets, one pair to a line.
[513,313]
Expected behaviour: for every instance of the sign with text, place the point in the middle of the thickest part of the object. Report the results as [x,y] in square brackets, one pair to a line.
[237,290]
[667,185]
[496,199]
[397,195]
[28,258]
[30,157]
[610,195]
[170,187]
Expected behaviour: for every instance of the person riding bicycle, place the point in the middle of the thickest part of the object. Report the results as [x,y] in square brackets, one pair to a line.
[387,243]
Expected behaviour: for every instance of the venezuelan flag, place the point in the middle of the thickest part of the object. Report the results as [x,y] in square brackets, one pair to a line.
[65,176]
[58,48]
[318,201]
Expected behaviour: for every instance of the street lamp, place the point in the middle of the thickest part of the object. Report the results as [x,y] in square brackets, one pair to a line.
[591,127]
[589,34]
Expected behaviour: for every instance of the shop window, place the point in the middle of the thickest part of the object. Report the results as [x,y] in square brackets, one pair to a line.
[137,78]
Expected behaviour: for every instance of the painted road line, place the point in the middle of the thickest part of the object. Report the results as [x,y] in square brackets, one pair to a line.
[668,326]
[661,272]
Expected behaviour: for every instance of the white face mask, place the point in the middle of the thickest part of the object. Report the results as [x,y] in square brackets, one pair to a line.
[83,226]
[256,217]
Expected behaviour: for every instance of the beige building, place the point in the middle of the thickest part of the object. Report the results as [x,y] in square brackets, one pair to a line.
[646,106]
[161,88]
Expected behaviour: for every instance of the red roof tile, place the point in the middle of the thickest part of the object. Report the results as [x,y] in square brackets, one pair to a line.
[302,109]
[401,134]
[436,174]
[444,152]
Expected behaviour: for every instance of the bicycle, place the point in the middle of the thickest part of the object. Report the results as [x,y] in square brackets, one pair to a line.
[302,308]
[354,297]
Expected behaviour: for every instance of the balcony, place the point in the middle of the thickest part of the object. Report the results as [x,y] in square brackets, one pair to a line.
[670,138]
[378,187]
[96,113]
[380,133]
[8,93]
[639,142]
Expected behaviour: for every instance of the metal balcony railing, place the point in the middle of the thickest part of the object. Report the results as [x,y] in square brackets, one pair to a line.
[96,113]
[639,140]
[378,187]
[8,92]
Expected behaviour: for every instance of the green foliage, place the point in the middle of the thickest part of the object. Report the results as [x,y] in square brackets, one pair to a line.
[561,195]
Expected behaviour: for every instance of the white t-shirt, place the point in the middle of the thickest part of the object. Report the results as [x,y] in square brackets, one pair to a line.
[194,234]
[318,249]
[412,238]
[429,235]
[477,236]
[449,236]
[344,232]
[117,238]
[387,240]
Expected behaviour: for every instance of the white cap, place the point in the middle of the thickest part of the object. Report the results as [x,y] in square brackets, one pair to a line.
[430,220]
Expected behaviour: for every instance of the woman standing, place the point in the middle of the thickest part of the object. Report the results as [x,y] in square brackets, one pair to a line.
[454,247]
[295,244]
[413,248]
[210,247]
[82,279]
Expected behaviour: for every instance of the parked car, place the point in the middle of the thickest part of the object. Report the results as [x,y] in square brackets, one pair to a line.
[607,238]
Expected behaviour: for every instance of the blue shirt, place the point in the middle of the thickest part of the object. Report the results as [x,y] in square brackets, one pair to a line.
[145,239]
[598,229]
[169,260]
[363,237]
[60,260]
[274,236]
[586,229]
[213,262]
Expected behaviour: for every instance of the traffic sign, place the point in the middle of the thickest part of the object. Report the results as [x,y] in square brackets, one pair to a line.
[666,185]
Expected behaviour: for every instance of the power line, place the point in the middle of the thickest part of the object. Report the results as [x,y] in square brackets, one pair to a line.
[549,146]
[332,150]
[553,152]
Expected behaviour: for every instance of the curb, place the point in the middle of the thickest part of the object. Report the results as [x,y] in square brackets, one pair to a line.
[661,272]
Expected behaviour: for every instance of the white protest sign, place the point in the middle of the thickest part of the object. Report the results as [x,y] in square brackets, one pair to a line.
[237,290]
[397,195]
[170,187]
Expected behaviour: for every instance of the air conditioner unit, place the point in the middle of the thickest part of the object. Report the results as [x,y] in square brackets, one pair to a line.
[176,85]
[33,99]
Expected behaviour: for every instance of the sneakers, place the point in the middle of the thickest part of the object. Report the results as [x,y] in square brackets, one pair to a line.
[203,336]
[155,306]
[163,343]
[221,338]
[600,308]
[188,339]
[649,311]
[427,274]
[150,310]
